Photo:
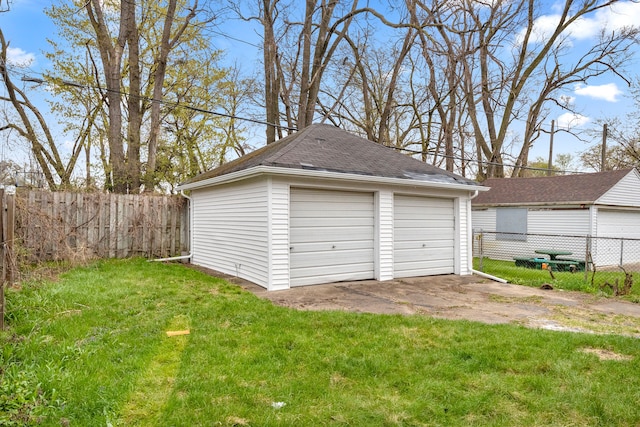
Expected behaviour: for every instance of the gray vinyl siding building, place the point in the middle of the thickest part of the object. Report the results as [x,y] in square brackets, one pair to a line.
[324,205]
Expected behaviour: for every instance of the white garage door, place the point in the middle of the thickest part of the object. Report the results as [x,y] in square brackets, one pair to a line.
[613,223]
[331,236]
[616,223]
[423,236]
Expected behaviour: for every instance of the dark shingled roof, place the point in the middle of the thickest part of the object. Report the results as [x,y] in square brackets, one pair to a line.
[579,188]
[328,148]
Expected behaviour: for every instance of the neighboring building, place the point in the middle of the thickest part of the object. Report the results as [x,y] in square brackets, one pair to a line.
[323,205]
[604,204]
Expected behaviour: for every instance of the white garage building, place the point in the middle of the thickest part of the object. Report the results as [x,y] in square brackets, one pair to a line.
[604,206]
[323,205]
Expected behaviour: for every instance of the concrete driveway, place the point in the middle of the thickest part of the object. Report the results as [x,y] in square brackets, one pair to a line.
[466,297]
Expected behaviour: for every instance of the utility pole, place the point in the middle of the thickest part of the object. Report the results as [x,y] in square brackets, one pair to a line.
[550,165]
[604,148]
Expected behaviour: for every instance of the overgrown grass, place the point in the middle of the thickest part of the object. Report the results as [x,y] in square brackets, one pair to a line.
[563,280]
[91,349]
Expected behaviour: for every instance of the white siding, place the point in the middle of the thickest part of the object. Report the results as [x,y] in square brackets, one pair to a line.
[624,193]
[563,223]
[384,265]
[463,238]
[617,223]
[424,236]
[279,235]
[331,235]
[230,230]
[483,219]
[572,222]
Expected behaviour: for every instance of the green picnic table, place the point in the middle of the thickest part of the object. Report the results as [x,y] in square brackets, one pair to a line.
[553,253]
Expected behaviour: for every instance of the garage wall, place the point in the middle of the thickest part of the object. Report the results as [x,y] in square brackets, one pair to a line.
[230,229]
[463,265]
[384,232]
[278,234]
[561,222]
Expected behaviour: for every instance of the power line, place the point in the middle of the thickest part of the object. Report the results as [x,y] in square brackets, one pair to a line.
[31,79]
[162,101]
[479,162]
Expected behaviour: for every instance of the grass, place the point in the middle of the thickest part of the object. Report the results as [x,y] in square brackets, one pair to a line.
[91,349]
[563,280]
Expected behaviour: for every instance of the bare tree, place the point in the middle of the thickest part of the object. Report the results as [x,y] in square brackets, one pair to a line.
[133,47]
[33,127]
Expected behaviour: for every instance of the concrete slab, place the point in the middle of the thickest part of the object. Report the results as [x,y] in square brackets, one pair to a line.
[464,297]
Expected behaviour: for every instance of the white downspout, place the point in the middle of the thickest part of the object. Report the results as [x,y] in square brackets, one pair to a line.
[188,256]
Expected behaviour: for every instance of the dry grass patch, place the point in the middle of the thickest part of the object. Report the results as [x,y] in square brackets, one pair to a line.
[606,354]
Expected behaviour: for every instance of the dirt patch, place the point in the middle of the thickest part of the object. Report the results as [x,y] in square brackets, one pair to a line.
[466,297]
[606,354]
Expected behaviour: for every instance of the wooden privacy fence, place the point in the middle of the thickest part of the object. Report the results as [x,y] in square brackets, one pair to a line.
[7,260]
[77,226]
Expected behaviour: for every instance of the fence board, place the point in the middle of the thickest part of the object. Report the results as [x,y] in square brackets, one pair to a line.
[57,226]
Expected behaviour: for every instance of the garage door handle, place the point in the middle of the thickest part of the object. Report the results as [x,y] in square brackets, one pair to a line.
[333,247]
[424,245]
[290,248]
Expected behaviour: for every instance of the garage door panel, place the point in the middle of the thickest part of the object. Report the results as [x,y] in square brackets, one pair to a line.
[332,212]
[426,223]
[330,222]
[434,269]
[424,236]
[437,245]
[304,277]
[426,255]
[309,234]
[331,236]
[333,258]
[335,246]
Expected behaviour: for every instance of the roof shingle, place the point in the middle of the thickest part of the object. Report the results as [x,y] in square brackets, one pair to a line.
[579,188]
[328,148]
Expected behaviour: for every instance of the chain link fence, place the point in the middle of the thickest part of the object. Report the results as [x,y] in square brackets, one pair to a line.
[606,263]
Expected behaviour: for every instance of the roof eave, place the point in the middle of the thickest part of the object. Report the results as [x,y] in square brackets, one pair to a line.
[309,173]
[530,204]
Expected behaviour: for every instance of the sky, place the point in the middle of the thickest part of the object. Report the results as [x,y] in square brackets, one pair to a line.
[27,28]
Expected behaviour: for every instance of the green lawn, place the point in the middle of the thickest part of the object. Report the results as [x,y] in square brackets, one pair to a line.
[90,349]
[562,280]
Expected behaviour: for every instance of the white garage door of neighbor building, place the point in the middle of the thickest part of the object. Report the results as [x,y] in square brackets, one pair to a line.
[617,223]
[614,223]
[331,236]
[423,236]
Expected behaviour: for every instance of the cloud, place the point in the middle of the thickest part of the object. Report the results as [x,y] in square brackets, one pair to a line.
[608,92]
[571,120]
[619,15]
[614,18]
[19,57]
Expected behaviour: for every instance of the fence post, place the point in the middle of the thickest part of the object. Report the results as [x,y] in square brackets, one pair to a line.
[10,258]
[587,257]
[621,251]
[481,250]
[3,263]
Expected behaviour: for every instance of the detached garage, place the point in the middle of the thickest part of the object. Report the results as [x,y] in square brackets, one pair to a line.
[323,205]
[604,206]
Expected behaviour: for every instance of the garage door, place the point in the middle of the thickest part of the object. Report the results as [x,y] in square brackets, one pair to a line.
[613,223]
[423,236]
[617,223]
[331,236]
